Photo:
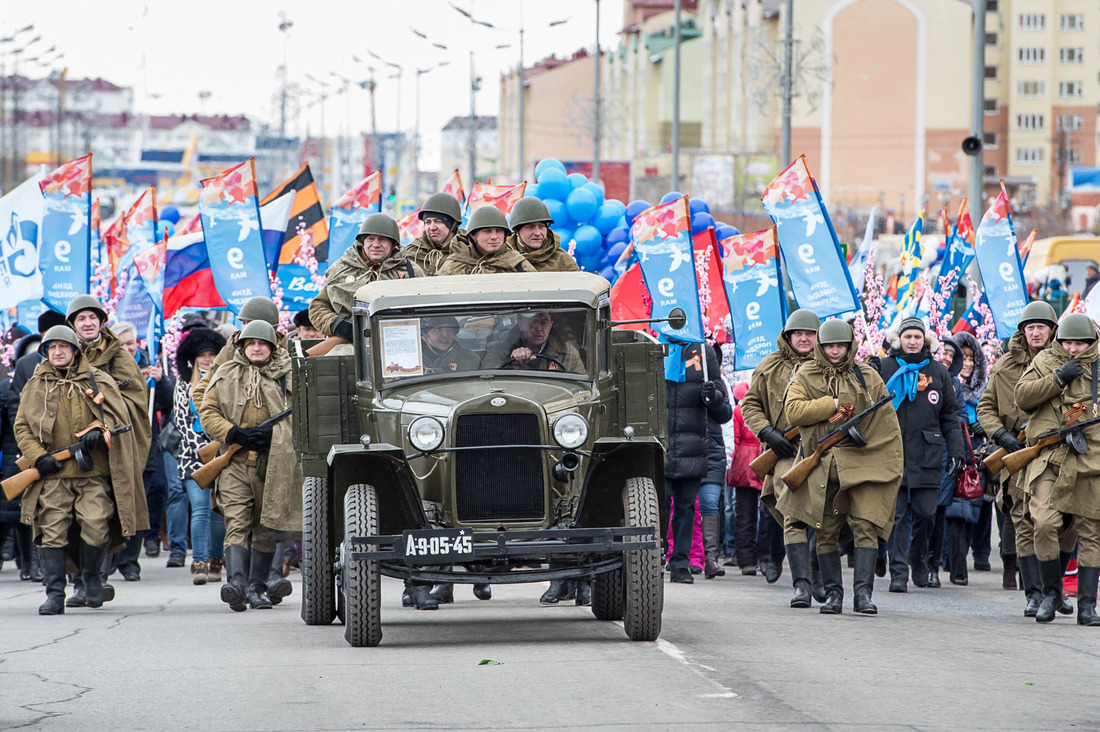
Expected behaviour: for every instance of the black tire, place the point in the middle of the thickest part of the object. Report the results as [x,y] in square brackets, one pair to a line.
[643,600]
[362,585]
[607,595]
[318,575]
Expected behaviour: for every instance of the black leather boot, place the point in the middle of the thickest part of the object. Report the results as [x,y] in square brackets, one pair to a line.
[406,595]
[1050,571]
[798,557]
[77,598]
[773,570]
[278,586]
[234,592]
[711,567]
[816,585]
[53,569]
[444,593]
[1087,580]
[259,568]
[934,576]
[1065,607]
[555,592]
[833,581]
[1029,576]
[483,591]
[422,598]
[1008,576]
[584,591]
[863,583]
[91,566]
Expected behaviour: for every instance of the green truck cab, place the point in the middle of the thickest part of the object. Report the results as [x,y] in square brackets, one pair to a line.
[441,450]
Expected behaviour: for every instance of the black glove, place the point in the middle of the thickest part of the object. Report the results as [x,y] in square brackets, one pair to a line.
[238,436]
[47,465]
[779,444]
[342,328]
[711,396]
[1007,440]
[976,431]
[955,465]
[259,438]
[1069,371]
[92,440]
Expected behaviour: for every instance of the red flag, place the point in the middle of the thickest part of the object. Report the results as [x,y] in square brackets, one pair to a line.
[1025,246]
[368,193]
[712,291]
[410,227]
[454,187]
[503,197]
[630,299]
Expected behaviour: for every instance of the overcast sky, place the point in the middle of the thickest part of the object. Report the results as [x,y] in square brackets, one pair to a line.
[170,51]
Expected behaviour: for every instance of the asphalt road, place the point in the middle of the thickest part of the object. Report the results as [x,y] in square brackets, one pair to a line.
[167,655]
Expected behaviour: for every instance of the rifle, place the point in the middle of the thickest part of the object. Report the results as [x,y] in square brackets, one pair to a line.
[766,461]
[322,348]
[1069,434]
[796,476]
[995,461]
[28,474]
[211,468]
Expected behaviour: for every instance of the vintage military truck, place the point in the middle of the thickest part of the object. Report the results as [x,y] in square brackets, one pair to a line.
[448,459]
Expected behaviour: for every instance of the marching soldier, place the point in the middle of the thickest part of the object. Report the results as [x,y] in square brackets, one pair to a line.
[376,256]
[1065,479]
[763,411]
[69,402]
[531,236]
[440,216]
[259,492]
[482,250]
[854,483]
[1002,418]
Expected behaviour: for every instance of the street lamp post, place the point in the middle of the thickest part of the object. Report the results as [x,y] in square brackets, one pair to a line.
[674,179]
[416,130]
[323,96]
[596,113]
[284,27]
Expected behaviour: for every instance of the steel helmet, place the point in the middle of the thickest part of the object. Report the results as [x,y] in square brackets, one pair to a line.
[85,302]
[260,308]
[1076,327]
[379,224]
[1039,311]
[835,330]
[487,217]
[529,210]
[259,329]
[59,333]
[802,320]
[441,203]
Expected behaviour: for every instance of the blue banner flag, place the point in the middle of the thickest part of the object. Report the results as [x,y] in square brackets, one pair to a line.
[959,251]
[998,258]
[65,236]
[912,251]
[757,304]
[810,250]
[298,285]
[137,305]
[20,216]
[230,214]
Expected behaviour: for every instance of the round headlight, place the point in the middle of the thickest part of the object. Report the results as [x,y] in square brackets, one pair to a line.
[426,433]
[570,431]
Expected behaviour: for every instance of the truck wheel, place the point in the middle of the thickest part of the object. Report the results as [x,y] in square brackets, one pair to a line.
[643,589]
[362,586]
[607,595]
[318,576]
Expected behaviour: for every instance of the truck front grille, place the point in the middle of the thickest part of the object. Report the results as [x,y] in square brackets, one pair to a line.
[498,483]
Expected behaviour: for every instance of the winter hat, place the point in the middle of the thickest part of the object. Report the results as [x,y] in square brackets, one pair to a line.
[740,391]
[195,342]
[911,324]
[49,319]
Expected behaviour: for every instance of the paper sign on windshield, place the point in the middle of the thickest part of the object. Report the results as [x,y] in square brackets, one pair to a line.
[401,349]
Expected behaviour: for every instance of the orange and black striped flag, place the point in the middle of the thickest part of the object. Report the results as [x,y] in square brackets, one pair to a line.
[306,210]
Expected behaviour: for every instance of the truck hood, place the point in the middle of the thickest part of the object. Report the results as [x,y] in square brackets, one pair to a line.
[439,398]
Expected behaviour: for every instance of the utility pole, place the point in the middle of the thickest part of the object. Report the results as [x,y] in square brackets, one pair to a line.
[977,108]
[674,180]
[1063,158]
[522,104]
[374,156]
[788,83]
[284,28]
[596,113]
[475,84]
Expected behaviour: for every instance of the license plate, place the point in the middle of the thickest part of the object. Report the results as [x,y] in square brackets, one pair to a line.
[438,546]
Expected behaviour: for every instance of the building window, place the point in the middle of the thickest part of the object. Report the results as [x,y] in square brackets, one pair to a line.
[1071,21]
[1070,122]
[990,170]
[991,72]
[1031,55]
[989,106]
[1030,155]
[1030,122]
[1033,21]
[990,6]
[989,140]
[1031,88]
[1069,89]
[1071,55]
[991,38]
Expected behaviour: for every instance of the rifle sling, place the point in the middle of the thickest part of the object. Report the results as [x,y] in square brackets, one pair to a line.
[103,419]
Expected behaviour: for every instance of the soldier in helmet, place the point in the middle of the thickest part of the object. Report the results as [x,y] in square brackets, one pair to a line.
[377,256]
[763,411]
[531,236]
[259,492]
[483,249]
[69,402]
[1065,479]
[1002,419]
[442,353]
[440,216]
[853,485]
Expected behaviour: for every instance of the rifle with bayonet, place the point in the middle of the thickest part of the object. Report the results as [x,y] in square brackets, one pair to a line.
[995,461]
[1070,433]
[849,430]
[21,481]
[213,466]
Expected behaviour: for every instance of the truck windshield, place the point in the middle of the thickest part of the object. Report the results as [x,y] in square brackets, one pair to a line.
[525,340]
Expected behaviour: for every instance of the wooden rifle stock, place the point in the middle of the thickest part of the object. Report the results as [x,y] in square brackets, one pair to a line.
[21,481]
[800,473]
[209,451]
[766,461]
[995,462]
[205,475]
[325,346]
[1019,460]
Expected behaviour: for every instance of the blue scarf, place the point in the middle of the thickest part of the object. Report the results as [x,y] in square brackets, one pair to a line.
[905,378]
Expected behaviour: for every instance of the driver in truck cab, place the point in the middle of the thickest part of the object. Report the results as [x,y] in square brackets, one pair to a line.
[534,344]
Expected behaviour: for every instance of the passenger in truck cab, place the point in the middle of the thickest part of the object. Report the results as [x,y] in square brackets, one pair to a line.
[534,344]
[442,353]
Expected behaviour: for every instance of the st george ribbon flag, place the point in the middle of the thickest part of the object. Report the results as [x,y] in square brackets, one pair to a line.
[998,256]
[350,211]
[757,303]
[20,217]
[230,213]
[811,252]
[662,240]
[483,194]
[139,225]
[65,236]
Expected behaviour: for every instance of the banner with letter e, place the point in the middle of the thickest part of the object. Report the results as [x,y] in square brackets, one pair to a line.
[811,253]
[230,211]
[758,307]
[65,235]
[998,257]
